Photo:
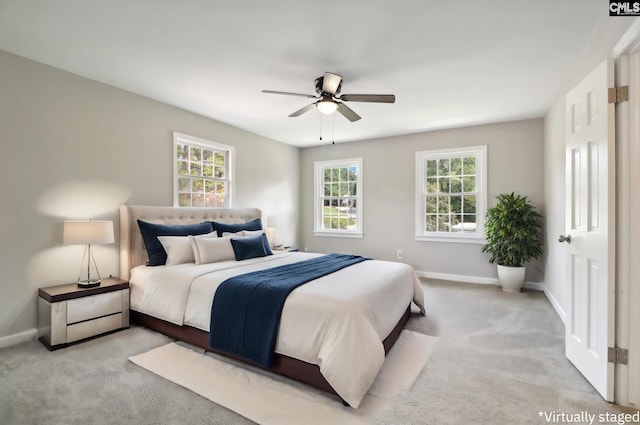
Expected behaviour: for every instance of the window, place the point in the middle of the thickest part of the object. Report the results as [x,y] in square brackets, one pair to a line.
[338,198]
[451,194]
[202,172]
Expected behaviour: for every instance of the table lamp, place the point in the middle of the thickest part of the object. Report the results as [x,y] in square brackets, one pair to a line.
[88,233]
[272,234]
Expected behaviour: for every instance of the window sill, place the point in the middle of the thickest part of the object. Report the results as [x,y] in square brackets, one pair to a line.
[323,233]
[452,239]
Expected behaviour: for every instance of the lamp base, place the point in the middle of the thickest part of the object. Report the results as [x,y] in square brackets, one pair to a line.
[88,283]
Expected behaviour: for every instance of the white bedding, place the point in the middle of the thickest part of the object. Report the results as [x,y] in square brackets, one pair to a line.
[337,322]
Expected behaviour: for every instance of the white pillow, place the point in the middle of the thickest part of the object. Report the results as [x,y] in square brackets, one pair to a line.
[211,250]
[244,233]
[250,233]
[179,248]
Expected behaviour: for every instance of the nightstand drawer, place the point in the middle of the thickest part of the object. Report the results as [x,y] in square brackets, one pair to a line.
[90,328]
[86,308]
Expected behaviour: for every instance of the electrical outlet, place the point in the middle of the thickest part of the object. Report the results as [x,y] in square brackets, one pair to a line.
[399,254]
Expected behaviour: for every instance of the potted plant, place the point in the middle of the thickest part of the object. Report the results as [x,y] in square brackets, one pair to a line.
[513,229]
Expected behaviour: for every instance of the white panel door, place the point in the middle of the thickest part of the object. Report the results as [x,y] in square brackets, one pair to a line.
[590,223]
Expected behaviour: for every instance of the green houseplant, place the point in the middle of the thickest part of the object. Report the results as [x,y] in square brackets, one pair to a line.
[513,229]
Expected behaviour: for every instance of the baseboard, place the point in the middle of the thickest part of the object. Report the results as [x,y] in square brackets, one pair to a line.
[19,338]
[458,278]
[556,306]
[538,286]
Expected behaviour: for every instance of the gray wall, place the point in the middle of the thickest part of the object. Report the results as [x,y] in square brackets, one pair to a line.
[515,163]
[556,255]
[75,148]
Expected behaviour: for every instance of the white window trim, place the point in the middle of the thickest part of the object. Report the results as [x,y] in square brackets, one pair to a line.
[481,207]
[197,141]
[318,191]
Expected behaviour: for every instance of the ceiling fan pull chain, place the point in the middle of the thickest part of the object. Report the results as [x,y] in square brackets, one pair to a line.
[333,129]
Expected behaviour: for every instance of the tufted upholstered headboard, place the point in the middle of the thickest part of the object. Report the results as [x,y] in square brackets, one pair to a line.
[132,252]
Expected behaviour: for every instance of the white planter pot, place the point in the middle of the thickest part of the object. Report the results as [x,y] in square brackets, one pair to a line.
[511,278]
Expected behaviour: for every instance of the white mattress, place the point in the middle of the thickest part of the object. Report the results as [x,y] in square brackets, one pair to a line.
[337,322]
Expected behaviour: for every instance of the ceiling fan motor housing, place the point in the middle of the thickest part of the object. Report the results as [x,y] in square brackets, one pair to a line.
[320,82]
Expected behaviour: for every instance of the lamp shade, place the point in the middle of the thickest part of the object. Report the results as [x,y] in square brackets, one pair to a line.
[271,233]
[87,232]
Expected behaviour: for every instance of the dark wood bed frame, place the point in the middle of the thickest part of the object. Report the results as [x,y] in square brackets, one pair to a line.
[283,365]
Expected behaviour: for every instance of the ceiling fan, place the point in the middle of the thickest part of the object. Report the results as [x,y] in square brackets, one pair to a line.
[328,89]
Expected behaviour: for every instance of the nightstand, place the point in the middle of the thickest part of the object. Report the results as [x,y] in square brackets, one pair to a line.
[68,313]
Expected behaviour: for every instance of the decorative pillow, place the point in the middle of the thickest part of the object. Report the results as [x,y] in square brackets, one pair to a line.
[234,228]
[249,247]
[211,250]
[253,233]
[266,244]
[150,232]
[179,249]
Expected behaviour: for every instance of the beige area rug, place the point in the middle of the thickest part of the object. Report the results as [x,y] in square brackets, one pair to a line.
[268,399]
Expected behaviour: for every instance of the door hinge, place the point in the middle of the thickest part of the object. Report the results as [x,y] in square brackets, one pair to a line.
[618,355]
[618,94]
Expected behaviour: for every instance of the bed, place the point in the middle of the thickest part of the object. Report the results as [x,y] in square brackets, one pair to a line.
[334,331]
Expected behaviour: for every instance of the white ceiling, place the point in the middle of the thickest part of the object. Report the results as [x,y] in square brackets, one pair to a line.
[449,64]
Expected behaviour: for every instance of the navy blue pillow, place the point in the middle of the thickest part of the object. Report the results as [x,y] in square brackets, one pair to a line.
[150,232]
[266,245]
[234,228]
[246,248]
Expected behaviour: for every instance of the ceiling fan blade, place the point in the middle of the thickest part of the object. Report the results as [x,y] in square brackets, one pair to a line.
[348,112]
[303,110]
[330,83]
[379,98]
[286,93]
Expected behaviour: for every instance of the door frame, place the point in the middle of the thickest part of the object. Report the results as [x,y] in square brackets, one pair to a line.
[626,54]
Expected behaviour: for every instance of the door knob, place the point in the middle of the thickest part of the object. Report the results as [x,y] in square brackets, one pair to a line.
[564,238]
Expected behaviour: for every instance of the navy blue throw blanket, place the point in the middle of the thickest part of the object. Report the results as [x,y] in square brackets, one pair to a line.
[246,309]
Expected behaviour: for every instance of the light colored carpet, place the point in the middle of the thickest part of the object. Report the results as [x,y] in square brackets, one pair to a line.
[93,383]
[271,400]
[499,360]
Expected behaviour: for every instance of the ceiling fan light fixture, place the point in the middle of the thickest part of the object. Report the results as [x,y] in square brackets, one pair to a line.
[327,106]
